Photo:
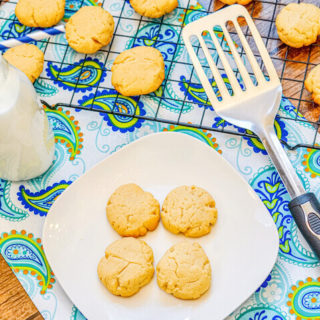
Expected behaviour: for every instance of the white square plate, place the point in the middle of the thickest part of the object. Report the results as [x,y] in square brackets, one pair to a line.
[242,247]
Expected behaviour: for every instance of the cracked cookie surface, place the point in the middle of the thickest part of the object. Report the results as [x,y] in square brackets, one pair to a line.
[189,210]
[40,13]
[184,271]
[137,71]
[89,29]
[153,8]
[126,267]
[28,58]
[132,212]
[298,24]
[312,83]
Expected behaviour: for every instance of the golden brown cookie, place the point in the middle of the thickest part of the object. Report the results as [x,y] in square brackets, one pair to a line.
[126,267]
[153,8]
[132,212]
[89,29]
[312,83]
[298,24]
[28,58]
[243,2]
[137,71]
[184,271]
[40,13]
[189,210]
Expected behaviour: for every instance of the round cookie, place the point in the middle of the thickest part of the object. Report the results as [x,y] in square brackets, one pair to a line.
[298,24]
[137,71]
[184,271]
[28,58]
[40,13]
[89,29]
[312,83]
[126,267]
[153,8]
[132,212]
[243,2]
[189,210]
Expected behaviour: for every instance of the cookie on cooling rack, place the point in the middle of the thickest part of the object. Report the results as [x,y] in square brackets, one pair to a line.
[152,8]
[126,267]
[40,13]
[193,277]
[137,71]
[132,211]
[298,24]
[312,83]
[243,2]
[28,58]
[89,29]
[189,210]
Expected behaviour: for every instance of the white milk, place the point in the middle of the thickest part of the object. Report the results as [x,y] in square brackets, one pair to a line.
[26,139]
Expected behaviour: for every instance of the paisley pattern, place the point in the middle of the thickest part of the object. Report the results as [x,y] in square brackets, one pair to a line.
[73,6]
[261,312]
[202,135]
[81,76]
[40,202]
[268,185]
[110,100]
[311,162]
[25,253]
[45,89]
[8,210]
[76,314]
[66,130]
[304,300]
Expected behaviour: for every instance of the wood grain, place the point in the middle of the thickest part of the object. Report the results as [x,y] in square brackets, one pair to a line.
[15,303]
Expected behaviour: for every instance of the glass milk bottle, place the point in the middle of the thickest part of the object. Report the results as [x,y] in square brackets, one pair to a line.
[26,139]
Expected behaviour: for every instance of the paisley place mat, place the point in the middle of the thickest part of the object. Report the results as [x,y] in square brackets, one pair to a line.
[83,138]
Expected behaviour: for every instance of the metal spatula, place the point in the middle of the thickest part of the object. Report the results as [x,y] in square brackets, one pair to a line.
[252,105]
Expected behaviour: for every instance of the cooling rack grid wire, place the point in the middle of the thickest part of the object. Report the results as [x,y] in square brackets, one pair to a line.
[85,79]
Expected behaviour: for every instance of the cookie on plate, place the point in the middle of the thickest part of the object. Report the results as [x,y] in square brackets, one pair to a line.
[40,13]
[184,271]
[189,210]
[298,24]
[132,212]
[28,58]
[243,2]
[312,83]
[89,29]
[126,267]
[153,8]
[137,71]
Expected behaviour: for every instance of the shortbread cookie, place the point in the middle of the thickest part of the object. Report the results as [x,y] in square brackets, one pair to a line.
[243,2]
[189,210]
[184,271]
[132,212]
[28,58]
[126,267]
[89,29]
[137,71]
[40,13]
[312,83]
[298,24]
[153,8]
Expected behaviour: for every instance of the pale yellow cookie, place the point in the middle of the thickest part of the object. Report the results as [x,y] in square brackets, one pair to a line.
[184,271]
[89,29]
[40,13]
[126,267]
[189,210]
[312,83]
[137,71]
[132,212]
[298,24]
[28,58]
[153,8]
[243,2]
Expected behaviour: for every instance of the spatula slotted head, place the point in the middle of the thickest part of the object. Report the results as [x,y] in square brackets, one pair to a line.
[237,73]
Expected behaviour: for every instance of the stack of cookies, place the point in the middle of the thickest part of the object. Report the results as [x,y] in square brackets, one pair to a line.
[184,271]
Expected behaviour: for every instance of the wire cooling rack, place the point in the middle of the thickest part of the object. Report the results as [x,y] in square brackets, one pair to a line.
[291,64]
